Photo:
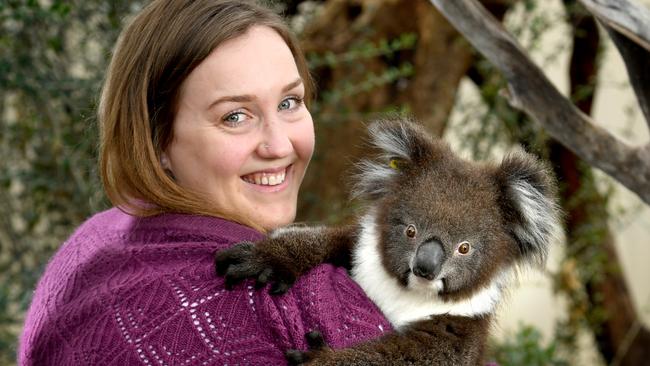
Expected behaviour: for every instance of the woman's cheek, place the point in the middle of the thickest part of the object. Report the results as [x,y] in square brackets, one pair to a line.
[307,138]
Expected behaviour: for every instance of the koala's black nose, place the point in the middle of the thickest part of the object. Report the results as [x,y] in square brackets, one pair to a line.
[428,259]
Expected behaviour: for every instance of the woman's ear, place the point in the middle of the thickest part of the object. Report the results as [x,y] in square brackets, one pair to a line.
[164,161]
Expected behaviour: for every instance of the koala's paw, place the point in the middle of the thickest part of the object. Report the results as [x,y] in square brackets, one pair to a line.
[244,260]
[318,350]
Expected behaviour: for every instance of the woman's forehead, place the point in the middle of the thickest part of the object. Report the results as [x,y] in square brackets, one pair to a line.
[257,61]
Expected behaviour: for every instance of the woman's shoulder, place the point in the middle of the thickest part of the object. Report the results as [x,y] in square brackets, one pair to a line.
[114,222]
[112,241]
[112,237]
[140,289]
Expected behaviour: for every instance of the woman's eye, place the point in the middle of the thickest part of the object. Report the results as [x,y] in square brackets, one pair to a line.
[289,103]
[235,118]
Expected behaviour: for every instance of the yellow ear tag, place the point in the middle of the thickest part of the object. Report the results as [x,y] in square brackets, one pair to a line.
[393,164]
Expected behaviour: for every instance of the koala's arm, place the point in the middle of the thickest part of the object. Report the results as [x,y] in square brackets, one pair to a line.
[445,340]
[286,254]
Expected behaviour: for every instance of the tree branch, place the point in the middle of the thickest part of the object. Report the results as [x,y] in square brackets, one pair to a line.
[625,16]
[531,91]
[628,24]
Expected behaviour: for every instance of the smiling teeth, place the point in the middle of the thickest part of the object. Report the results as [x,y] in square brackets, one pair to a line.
[266,179]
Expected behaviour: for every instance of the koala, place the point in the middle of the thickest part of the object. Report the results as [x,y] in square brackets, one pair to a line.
[435,247]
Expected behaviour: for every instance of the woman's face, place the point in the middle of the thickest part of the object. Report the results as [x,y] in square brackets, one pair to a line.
[242,135]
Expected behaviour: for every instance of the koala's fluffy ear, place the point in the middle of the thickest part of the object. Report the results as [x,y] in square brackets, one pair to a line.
[403,145]
[529,204]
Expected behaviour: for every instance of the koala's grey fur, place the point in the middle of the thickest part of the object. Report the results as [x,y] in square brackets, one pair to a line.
[425,206]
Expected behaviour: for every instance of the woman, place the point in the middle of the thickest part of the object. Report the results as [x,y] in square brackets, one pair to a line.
[205,138]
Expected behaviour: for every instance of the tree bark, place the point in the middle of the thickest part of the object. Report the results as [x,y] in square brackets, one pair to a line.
[628,24]
[627,17]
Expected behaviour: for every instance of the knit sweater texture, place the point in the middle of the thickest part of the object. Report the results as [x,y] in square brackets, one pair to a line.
[124,290]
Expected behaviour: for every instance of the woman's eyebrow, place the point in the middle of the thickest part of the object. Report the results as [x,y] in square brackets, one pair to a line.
[292,85]
[233,98]
[244,98]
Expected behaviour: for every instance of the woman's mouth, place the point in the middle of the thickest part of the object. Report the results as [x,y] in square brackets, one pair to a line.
[273,177]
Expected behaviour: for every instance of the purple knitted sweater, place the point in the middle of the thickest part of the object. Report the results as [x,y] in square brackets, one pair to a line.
[142,291]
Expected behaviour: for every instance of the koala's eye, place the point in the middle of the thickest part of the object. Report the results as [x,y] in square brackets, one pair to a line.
[463,248]
[411,231]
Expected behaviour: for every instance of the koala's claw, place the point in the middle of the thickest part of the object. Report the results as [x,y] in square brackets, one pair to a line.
[263,278]
[280,287]
[317,345]
[238,263]
[315,340]
[242,261]
[296,357]
[232,256]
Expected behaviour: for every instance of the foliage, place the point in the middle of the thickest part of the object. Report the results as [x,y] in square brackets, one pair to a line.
[526,348]
[360,80]
[490,123]
[364,50]
[52,58]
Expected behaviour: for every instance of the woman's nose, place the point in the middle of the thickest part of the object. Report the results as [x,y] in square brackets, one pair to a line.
[276,141]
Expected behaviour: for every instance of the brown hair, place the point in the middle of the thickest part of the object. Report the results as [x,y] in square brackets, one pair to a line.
[152,58]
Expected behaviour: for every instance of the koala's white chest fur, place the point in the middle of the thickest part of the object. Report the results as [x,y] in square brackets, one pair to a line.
[400,305]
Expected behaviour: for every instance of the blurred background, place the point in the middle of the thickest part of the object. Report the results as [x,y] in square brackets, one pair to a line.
[369,58]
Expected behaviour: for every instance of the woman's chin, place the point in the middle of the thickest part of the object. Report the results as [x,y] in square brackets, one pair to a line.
[272,217]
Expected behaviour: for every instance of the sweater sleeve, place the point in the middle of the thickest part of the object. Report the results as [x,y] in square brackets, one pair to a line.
[141,298]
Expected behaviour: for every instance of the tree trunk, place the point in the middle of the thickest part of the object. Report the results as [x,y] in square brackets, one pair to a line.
[610,312]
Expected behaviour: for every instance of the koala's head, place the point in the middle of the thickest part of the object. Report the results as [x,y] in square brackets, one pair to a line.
[452,226]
